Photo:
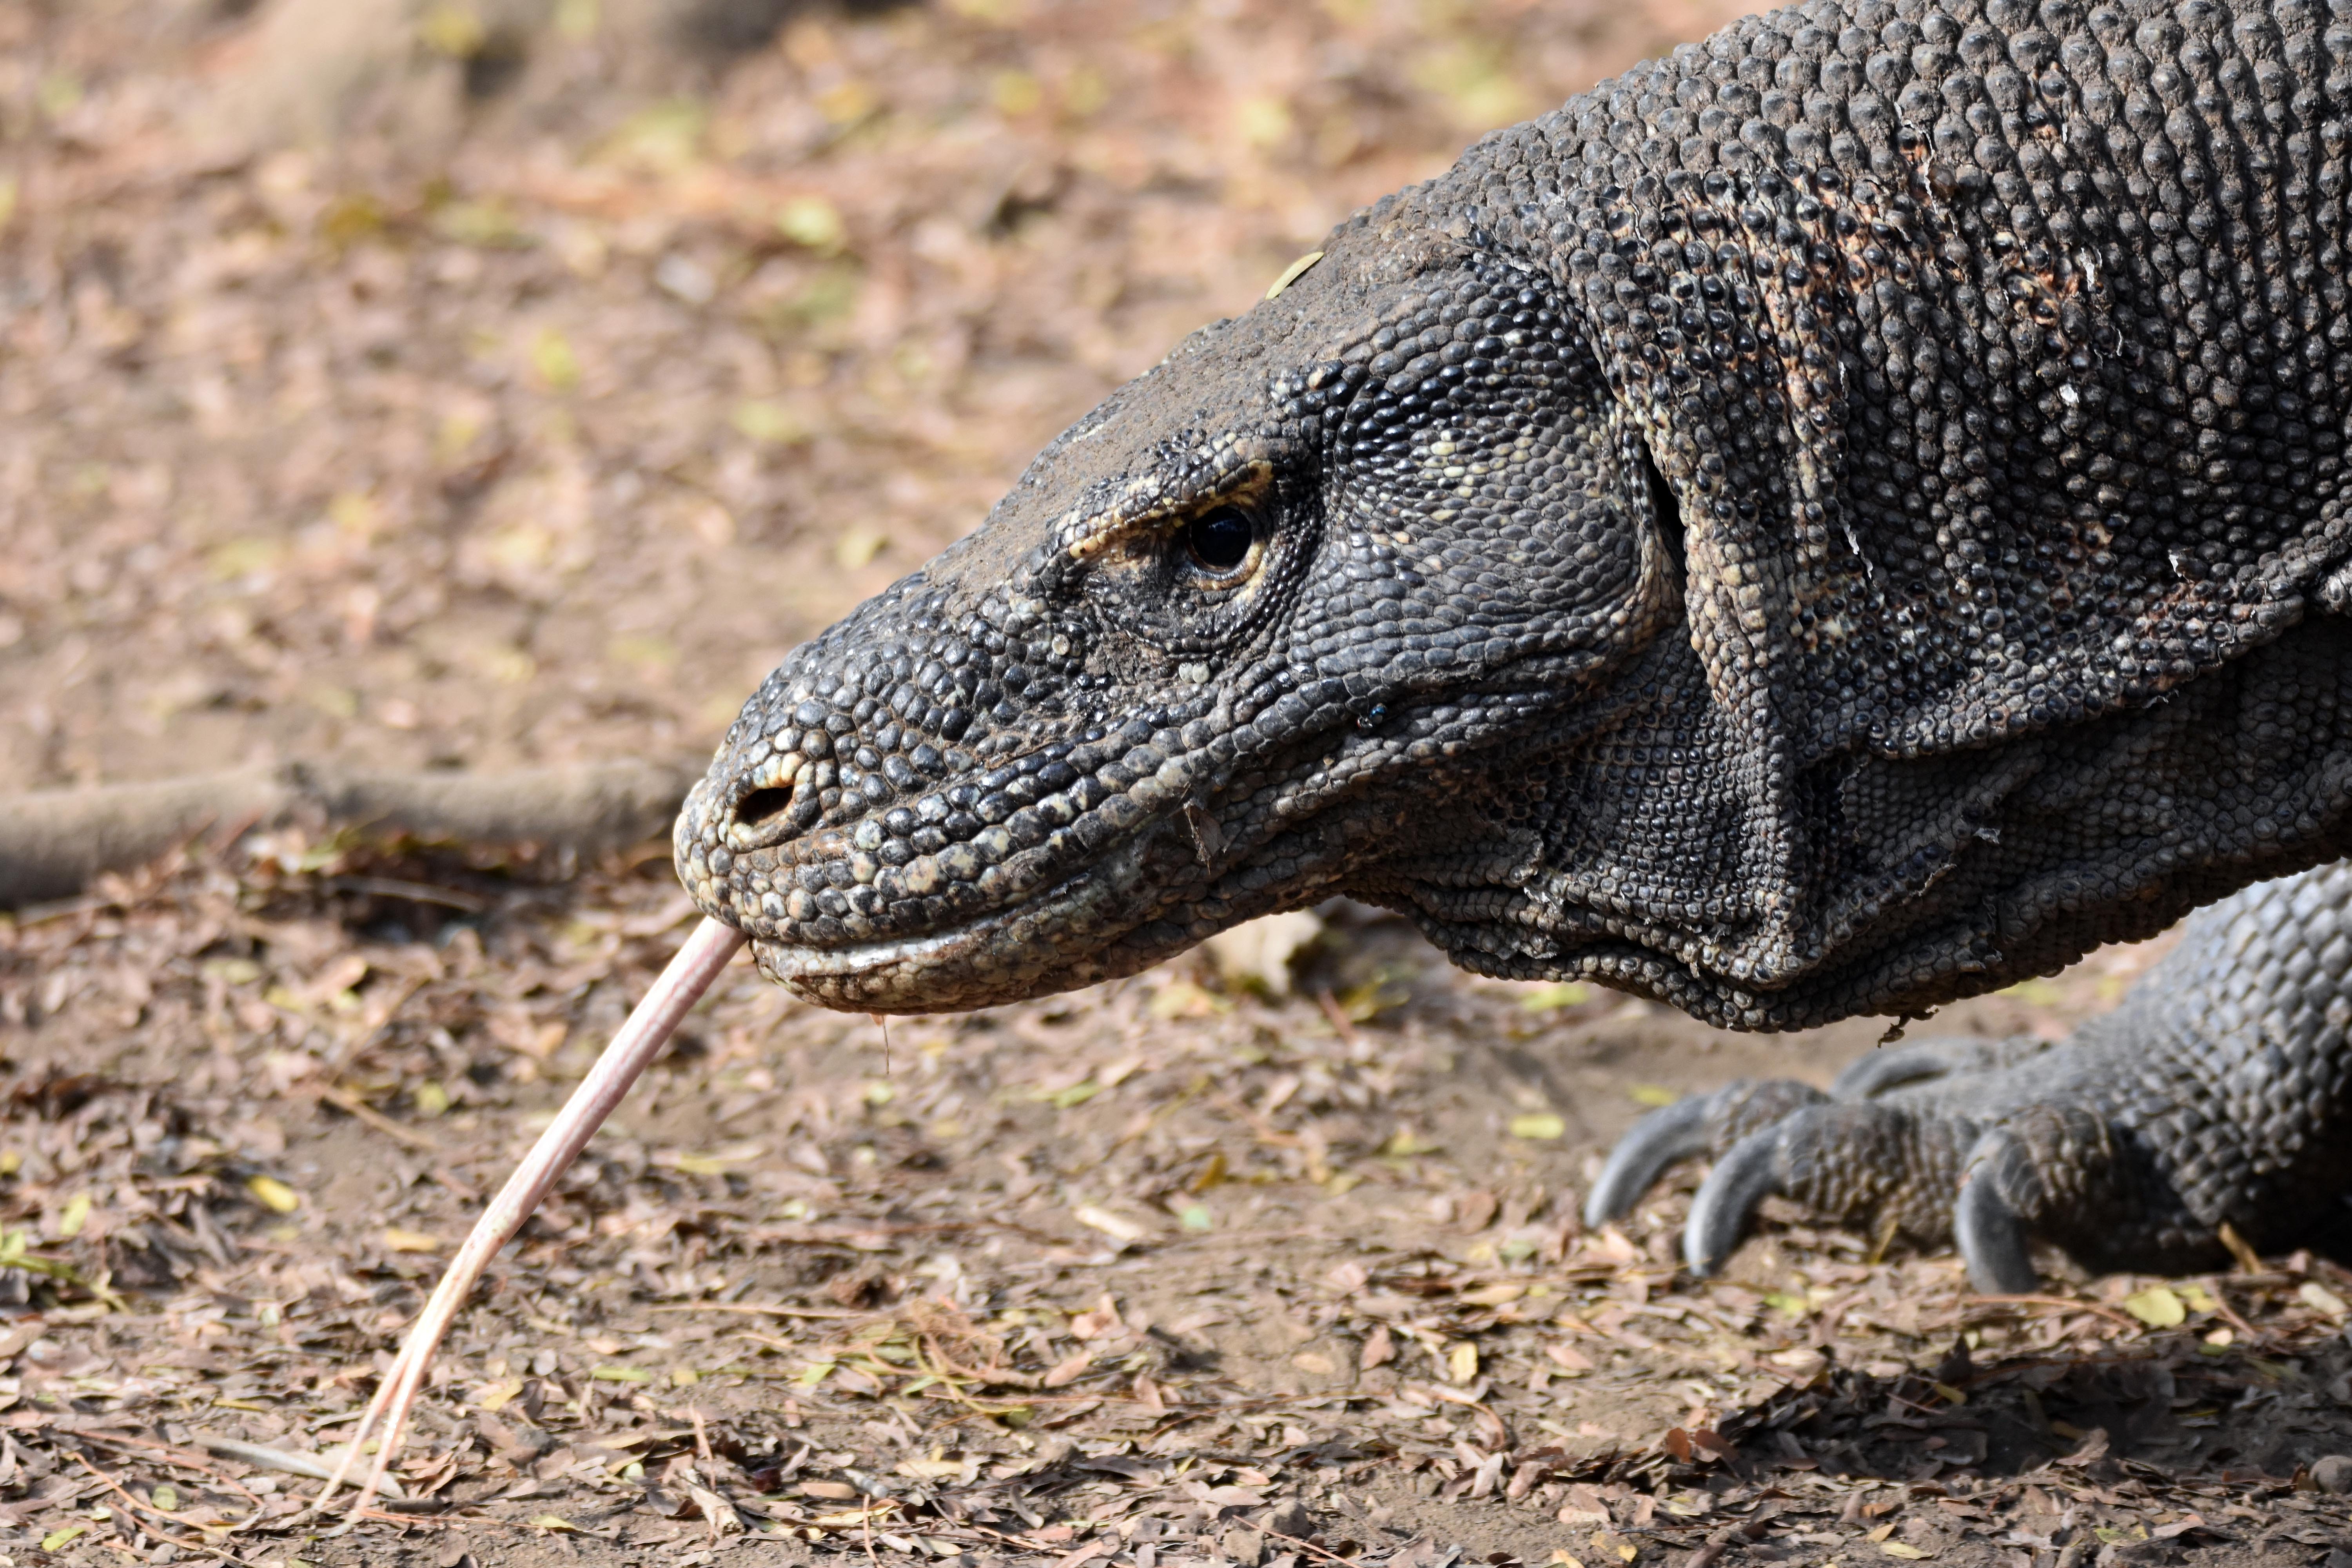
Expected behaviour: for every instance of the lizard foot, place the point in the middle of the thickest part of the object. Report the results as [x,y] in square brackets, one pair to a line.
[1859,1155]
[2218,1093]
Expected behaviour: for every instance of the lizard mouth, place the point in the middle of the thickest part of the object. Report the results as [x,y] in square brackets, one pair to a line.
[1003,955]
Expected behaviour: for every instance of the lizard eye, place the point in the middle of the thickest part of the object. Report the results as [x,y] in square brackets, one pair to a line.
[1219,540]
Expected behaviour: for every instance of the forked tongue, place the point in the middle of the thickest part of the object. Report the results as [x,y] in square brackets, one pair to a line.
[674,992]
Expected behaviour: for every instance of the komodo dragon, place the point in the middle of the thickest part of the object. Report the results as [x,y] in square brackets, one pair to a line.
[1843,518]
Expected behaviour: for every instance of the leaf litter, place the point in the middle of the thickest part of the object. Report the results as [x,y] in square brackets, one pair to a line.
[544,440]
[801,1300]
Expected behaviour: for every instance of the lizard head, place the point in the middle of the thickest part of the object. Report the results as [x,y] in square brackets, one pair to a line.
[1260,629]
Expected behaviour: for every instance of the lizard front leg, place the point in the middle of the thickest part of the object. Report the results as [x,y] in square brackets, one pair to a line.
[2219,1092]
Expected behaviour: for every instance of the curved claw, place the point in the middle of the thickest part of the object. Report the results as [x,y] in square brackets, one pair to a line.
[1657,1141]
[1727,1201]
[1986,1225]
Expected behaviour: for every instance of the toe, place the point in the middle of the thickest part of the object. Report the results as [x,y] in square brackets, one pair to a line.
[1659,1140]
[1868,1166]
[1987,1220]
[1727,1201]
[1697,1125]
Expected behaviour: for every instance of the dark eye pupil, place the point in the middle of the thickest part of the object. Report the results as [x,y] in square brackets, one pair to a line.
[1219,540]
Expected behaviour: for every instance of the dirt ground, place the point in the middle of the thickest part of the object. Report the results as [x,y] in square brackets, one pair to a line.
[1175,1269]
[520,394]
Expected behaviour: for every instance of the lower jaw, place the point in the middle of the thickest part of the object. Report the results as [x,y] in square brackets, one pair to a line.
[1051,941]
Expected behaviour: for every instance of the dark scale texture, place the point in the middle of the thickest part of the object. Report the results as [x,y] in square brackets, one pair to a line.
[1840,519]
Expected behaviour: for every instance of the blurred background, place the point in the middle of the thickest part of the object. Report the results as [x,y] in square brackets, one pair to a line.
[482,383]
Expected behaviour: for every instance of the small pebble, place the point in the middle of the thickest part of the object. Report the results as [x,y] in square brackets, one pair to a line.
[1243,1546]
[2332,1473]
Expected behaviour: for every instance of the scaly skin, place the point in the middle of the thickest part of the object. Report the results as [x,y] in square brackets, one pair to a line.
[1839,520]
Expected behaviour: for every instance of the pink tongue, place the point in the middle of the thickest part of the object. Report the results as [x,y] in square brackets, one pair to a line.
[673,994]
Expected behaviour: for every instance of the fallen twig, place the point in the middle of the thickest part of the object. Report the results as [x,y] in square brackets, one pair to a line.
[184,1543]
[757,1309]
[1308,1546]
[351,1105]
[185,1459]
[2067,1304]
[55,843]
[291,1464]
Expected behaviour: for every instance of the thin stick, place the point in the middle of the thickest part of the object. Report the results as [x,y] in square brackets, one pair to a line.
[758,1309]
[182,1459]
[260,1456]
[1310,1546]
[675,991]
[116,1487]
[2068,1303]
[351,1105]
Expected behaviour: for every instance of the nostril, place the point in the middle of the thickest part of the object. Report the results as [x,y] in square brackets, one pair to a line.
[762,805]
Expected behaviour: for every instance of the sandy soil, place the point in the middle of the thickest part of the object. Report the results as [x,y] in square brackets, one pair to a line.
[570,371]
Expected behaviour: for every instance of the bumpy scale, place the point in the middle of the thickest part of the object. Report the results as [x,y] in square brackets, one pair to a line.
[1840,519]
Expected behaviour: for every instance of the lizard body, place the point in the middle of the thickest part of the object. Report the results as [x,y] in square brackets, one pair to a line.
[1845,517]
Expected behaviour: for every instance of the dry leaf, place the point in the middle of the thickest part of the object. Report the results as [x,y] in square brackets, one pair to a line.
[1497,1294]
[857,546]
[1117,1226]
[1553,995]
[273,1195]
[1098,1323]
[2157,1307]
[493,1396]
[2312,1293]
[1259,953]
